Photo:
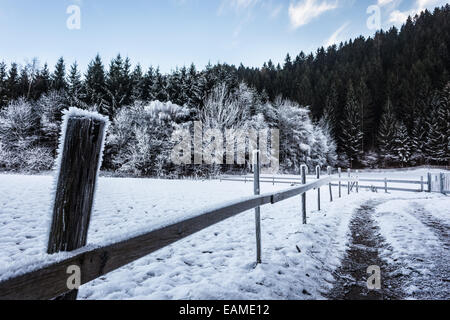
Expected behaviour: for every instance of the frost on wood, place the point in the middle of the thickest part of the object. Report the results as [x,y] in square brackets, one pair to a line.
[79,160]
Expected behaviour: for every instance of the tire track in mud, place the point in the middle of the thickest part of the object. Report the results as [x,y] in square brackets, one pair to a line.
[364,249]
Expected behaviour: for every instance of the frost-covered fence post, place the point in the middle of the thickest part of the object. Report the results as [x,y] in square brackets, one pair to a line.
[357,181]
[348,183]
[318,189]
[77,167]
[303,170]
[329,185]
[421,184]
[340,174]
[257,190]
[429,182]
[441,183]
[385,186]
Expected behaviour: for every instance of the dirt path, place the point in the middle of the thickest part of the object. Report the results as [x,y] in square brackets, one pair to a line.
[365,245]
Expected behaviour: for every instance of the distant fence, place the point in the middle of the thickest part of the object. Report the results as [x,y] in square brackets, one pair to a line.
[431,183]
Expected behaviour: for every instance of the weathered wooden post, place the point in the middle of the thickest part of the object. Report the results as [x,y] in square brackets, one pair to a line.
[329,185]
[340,183]
[385,186]
[257,190]
[429,181]
[348,184]
[357,181]
[303,170]
[79,160]
[421,184]
[441,183]
[318,189]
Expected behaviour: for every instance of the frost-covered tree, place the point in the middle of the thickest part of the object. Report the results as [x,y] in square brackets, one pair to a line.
[139,142]
[74,86]
[296,135]
[329,142]
[19,138]
[352,135]
[402,145]
[386,134]
[437,137]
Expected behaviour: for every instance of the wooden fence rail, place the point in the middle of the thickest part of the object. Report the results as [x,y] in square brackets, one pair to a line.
[50,281]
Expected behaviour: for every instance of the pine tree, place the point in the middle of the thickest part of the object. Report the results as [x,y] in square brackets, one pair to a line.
[138,85]
[402,145]
[351,128]
[386,134]
[43,82]
[118,84]
[75,85]
[59,76]
[149,83]
[3,85]
[330,111]
[12,82]
[94,84]
[437,121]
[446,121]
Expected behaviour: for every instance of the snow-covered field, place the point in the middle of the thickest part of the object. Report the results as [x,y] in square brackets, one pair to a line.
[218,262]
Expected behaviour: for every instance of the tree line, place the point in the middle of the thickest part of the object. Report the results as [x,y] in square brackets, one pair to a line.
[383,101]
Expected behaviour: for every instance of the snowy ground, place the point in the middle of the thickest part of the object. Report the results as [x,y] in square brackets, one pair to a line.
[299,262]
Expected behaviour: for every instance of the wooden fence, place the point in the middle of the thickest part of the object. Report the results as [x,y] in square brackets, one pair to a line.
[80,160]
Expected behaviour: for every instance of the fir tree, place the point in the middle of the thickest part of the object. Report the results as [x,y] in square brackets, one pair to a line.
[330,111]
[75,85]
[351,128]
[437,121]
[402,145]
[12,82]
[386,134]
[3,85]
[59,76]
[43,81]
[94,84]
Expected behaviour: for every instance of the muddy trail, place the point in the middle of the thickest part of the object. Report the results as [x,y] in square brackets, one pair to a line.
[364,250]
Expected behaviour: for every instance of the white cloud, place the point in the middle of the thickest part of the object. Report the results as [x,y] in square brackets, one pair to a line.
[382,3]
[398,17]
[336,36]
[304,11]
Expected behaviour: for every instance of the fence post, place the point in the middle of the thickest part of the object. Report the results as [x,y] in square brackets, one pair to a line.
[421,184]
[340,173]
[79,161]
[357,181]
[303,169]
[429,181]
[441,182]
[329,185]
[348,184]
[256,189]
[385,186]
[318,189]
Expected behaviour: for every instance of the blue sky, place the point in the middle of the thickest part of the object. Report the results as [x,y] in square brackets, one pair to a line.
[173,33]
